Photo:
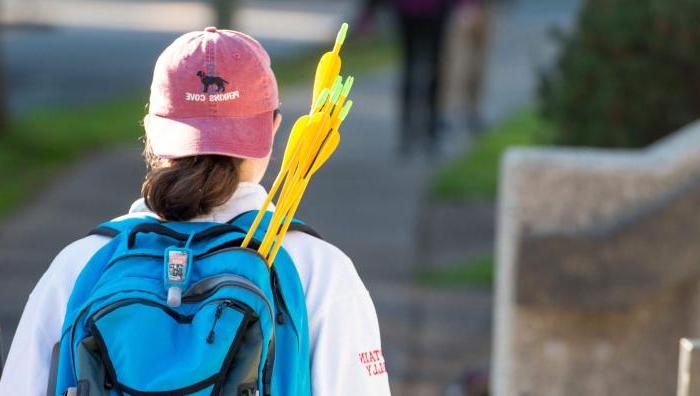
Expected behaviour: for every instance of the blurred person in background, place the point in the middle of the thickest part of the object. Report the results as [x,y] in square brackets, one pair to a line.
[225,12]
[466,47]
[366,18]
[472,30]
[421,24]
[468,35]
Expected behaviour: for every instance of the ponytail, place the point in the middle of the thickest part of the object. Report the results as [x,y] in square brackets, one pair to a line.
[183,188]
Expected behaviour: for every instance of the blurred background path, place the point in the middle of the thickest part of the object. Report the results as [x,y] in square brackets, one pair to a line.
[99,49]
[364,200]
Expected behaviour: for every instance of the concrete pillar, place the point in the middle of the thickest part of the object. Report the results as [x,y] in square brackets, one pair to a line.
[597,275]
[689,367]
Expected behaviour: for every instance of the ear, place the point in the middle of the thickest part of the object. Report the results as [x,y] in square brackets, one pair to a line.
[276,122]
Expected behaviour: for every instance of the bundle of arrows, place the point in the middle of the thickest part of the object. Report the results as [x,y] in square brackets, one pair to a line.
[312,140]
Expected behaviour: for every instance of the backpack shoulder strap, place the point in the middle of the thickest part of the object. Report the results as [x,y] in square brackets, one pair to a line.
[116,226]
[245,220]
[287,287]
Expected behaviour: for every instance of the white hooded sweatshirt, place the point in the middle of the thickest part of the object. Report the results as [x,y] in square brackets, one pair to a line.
[344,339]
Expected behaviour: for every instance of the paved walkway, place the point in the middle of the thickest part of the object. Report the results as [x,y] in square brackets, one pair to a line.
[363,200]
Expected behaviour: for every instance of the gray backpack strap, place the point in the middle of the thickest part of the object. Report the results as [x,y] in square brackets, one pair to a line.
[305,228]
[245,219]
[51,389]
[104,231]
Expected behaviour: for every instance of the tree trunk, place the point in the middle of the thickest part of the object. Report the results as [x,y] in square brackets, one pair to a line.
[224,11]
[3,96]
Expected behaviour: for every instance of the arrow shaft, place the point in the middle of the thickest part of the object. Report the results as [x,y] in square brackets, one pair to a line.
[261,213]
[285,226]
[291,194]
[296,161]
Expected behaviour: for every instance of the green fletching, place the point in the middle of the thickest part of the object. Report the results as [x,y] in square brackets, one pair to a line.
[321,98]
[338,82]
[335,96]
[335,91]
[340,38]
[347,86]
[345,110]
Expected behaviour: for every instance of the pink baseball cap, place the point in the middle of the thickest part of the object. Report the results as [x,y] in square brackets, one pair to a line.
[213,92]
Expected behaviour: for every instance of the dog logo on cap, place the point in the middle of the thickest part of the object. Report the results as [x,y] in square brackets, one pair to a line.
[216,94]
[211,80]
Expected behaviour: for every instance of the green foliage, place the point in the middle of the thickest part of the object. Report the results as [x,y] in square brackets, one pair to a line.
[474,174]
[38,144]
[474,272]
[628,74]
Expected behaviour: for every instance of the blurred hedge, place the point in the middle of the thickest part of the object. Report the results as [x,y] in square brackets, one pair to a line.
[627,75]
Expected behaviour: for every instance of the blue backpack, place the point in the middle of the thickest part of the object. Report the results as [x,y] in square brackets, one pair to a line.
[179,308]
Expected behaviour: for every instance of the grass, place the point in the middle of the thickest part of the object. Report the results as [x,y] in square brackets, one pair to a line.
[42,142]
[37,145]
[474,174]
[474,272]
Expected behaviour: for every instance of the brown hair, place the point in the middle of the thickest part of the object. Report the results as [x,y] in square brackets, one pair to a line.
[183,188]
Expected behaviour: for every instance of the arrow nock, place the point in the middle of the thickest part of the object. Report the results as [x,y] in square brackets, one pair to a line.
[340,38]
[335,90]
[347,86]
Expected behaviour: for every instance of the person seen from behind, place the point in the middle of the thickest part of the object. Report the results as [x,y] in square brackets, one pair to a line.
[212,117]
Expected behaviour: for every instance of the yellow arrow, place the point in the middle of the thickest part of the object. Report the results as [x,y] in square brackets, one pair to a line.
[328,148]
[292,196]
[309,140]
[313,139]
[289,151]
[315,121]
[329,65]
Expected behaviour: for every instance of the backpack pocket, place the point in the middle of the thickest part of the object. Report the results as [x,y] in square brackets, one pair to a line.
[142,347]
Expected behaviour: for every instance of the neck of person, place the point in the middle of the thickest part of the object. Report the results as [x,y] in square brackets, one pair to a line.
[253,169]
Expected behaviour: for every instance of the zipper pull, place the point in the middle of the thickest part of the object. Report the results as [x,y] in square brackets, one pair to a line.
[108,383]
[217,316]
[279,303]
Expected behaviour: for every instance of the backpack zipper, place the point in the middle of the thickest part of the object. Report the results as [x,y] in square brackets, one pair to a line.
[82,312]
[194,295]
[235,280]
[180,318]
[249,317]
[216,250]
[217,316]
[176,315]
[232,280]
[279,300]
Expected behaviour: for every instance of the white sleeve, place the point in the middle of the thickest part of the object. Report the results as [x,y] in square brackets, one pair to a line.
[28,362]
[346,352]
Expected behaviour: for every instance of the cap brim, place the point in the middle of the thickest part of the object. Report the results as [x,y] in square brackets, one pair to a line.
[243,137]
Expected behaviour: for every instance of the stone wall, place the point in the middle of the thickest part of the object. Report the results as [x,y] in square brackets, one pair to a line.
[598,263]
